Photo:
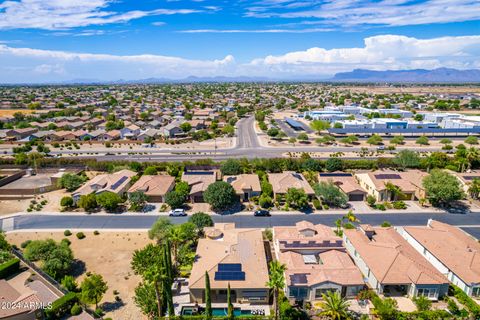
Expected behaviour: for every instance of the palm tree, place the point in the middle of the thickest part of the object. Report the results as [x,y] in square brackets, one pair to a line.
[276,282]
[334,306]
[394,191]
[474,188]
[176,238]
[472,155]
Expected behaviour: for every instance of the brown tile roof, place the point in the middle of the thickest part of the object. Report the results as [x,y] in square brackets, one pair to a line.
[408,181]
[157,185]
[281,182]
[104,182]
[392,259]
[334,263]
[244,246]
[244,182]
[199,181]
[347,184]
[454,248]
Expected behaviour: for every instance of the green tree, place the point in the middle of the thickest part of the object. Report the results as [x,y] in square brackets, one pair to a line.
[296,198]
[182,188]
[397,140]
[334,164]
[276,283]
[93,288]
[145,300]
[160,229]
[386,309]
[394,191]
[220,195]
[137,200]
[474,188]
[186,127]
[109,200]
[334,306]
[302,137]
[423,140]
[66,202]
[330,194]
[442,188]
[208,299]
[150,171]
[375,140]
[69,283]
[56,258]
[88,202]
[201,220]
[273,132]
[175,199]
[445,141]
[231,167]
[407,159]
[229,130]
[230,314]
[422,303]
[71,181]
[319,125]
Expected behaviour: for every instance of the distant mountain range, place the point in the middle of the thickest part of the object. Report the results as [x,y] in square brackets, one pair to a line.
[441,75]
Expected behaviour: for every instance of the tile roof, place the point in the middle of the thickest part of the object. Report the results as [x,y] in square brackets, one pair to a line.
[458,251]
[281,182]
[157,185]
[244,182]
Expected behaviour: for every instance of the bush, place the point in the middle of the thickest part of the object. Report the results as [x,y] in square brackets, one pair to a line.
[386,224]
[80,235]
[66,241]
[316,204]
[66,202]
[67,233]
[175,199]
[10,267]
[468,302]
[381,207]
[422,303]
[399,205]
[96,232]
[24,244]
[371,200]
[76,310]
[61,306]
[265,201]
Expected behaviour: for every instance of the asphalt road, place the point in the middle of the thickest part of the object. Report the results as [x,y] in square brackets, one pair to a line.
[247,146]
[469,222]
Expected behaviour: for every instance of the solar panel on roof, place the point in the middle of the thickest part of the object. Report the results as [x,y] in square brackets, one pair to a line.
[384,176]
[222,267]
[297,278]
[335,174]
[230,275]
[119,182]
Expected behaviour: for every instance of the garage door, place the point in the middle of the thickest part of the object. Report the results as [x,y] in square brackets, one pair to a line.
[355,197]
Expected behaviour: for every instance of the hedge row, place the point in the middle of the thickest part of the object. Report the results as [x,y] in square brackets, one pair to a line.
[61,306]
[468,302]
[10,267]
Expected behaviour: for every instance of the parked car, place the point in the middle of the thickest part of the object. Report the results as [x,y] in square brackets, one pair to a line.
[262,213]
[177,213]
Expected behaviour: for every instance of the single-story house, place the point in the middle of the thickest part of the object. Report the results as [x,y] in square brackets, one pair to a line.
[466,178]
[245,185]
[198,180]
[281,182]
[346,182]
[316,261]
[409,182]
[450,250]
[117,182]
[391,265]
[234,257]
[154,187]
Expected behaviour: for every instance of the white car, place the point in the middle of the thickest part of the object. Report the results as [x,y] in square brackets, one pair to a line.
[177,213]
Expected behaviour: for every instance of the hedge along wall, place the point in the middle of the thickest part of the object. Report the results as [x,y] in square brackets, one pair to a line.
[10,267]
[61,306]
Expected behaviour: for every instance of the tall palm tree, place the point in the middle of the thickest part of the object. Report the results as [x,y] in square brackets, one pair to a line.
[334,306]
[176,237]
[276,282]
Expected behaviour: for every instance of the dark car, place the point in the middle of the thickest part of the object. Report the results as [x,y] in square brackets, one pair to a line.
[261,213]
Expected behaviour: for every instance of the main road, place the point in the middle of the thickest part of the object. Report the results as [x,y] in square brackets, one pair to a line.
[470,222]
[246,145]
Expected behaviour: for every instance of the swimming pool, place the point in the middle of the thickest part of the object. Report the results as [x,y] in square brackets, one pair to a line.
[216,311]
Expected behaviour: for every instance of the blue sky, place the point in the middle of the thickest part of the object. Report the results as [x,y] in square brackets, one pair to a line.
[57,40]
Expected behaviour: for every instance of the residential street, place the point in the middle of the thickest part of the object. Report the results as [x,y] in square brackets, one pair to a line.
[469,222]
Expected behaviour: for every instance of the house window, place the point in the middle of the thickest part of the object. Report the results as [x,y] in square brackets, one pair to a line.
[298,292]
[427,292]
[320,291]
[476,292]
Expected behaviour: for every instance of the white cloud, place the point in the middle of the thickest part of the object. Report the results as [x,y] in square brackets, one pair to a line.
[379,53]
[347,13]
[385,52]
[65,14]
[308,30]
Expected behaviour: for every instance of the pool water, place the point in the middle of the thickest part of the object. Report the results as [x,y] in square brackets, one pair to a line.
[236,312]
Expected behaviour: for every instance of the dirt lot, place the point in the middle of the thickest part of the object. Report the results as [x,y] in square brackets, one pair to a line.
[53,203]
[11,112]
[108,254]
